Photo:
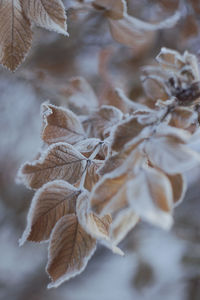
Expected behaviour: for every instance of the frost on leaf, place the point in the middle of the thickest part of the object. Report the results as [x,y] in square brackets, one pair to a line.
[125,132]
[70,249]
[106,191]
[60,161]
[60,125]
[124,222]
[15,34]
[171,156]
[98,227]
[150,196]
[16,18]
[51,202]
[100,123]
[49,14]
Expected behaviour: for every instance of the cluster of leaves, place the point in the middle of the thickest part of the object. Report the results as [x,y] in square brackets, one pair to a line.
[19,16]
[102,169]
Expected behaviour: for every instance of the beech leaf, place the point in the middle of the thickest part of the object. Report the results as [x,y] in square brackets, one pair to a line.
[54,200]
[15,34]
[124,222]
[98,227]
[100,123]
[170,155]
[49,14]
[106,190]
[60,161]
[125,132]
[70,249]
[60,125]
[150,196]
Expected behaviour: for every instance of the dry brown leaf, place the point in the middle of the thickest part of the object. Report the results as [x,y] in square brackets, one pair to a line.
[124,222]
[70,249]
[168,154]
[125,132]
[80,96]
[88,146]
[49,14]
[179,186]
[60,161]
[150,196]
[98,227]
[54,200]
[92,176]
[105,190]
[15,34]
[100,123]
[60,125]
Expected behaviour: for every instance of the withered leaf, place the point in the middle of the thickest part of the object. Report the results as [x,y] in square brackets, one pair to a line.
[92,176]
[60,125]
[54,200]
[125,132]
[168,154]
[98,227]
[60,161]
[100,123]
[150,196]
[49,14]
[106,190]
[70,249]
[88,146]
[15,34]
[124,222]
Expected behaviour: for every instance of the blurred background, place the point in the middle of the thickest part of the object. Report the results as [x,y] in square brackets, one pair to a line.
[157,263]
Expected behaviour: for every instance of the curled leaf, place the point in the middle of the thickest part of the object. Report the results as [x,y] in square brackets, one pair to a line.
[60,125]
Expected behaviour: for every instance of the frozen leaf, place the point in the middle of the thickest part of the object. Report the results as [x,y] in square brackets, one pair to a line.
[112,163]
[60,161]
[54,200]
[125,132]
[80,96]
[70,249]
[88,146]
[124,222]
[60,125]
[170,155]
[92,176]
[105,190]
[131,31]
[49,14]
[100,123]
[15,34]
[179,186]
[98,227]
[150,196]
